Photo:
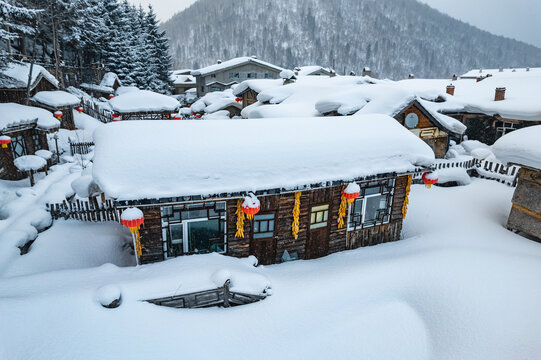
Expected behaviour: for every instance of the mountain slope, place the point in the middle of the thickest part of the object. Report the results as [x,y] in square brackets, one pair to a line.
[393,37]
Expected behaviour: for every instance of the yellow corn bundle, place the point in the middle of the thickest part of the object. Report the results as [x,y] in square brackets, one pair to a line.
[342,211]
[406,199]
[296,213]
[240,220]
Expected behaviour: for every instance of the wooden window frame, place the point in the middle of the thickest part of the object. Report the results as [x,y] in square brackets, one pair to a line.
[386,187]
[263,232]
[325,220]
[18,140]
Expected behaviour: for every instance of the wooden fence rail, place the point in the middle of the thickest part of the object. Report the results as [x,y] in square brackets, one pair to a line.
[97,112]
[80,148]
[92,210]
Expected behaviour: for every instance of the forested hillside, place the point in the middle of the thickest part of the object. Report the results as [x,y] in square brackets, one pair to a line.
[393,37]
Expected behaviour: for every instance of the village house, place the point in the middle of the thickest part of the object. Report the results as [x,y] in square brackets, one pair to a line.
[196,194]
[312,70]
[60,103]
[23,131]
[143,105]
[182,80]
[223,75]
[106,88]
[248,90]
[521,147]
[14,82]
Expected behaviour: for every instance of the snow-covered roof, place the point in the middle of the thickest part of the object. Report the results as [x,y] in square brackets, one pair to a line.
[520,147]
[56,99]
[29,162]
[234,63]
[311,69]
[143,101]
[216,157]
[521,96]
[15,76]
[100,88]
[257,85]
[214,101]
[475,73]
[16,115]
[182,77]
[221,83]
[109,79]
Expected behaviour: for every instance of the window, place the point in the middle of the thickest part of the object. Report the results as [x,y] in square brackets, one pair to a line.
[373,206]
[252,75]
[193,228]
[215,88]
[36,141]
[319,216]
[231,75]
[268,76]
[213,76]
[18,146]
[263,226]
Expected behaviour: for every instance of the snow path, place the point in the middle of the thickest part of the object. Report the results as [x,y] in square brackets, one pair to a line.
[460,286]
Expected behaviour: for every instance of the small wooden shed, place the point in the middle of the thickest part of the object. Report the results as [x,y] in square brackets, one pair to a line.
[58,101]
[522,147]
[14,82]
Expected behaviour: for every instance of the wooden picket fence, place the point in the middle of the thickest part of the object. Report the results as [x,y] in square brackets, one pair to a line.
[80,148]
[93,210]
[97,112]
[507,175]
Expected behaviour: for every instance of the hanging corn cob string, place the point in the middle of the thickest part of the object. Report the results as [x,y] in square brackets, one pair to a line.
[296,213]
[251,205]
[342,210]
[406,199]
[240,220]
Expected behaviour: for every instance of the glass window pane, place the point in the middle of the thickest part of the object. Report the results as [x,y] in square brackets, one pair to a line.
[319,216]
[256,226]
[264,217]
[263,226]
[320,208]
[176,233]
[372,190]
[271,225]
[373,204]
[166,210]
[325,215]
[263,235]
[312,218]
[318,225]
[205,236]
[220,205]
[194,214]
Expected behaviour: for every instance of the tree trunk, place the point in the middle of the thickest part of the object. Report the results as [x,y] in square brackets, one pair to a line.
[56,46]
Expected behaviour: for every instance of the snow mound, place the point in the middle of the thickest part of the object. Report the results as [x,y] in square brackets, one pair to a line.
[84,186]
[521,147]
[109,296]
[45,154]
[29,162]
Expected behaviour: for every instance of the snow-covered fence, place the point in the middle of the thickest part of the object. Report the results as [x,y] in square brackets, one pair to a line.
[80,148]
[93,109]
[448,164]
[496,171]
[94,211]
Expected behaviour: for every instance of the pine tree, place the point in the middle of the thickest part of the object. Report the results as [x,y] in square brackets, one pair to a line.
[15,21]
[159,59]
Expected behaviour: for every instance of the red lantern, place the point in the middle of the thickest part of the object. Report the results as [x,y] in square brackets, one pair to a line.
[430,178]
[133,218]
[238,100]
[111,96]
[177,117]
[351,192]
[189,105]
[116,117]
[58,114]
[198,115]
[74,43]
[4,141]
[79,109]
[251,206]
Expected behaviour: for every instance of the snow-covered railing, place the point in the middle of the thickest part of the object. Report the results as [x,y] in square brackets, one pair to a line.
[80,148]
[96,111]
[94,211]
[497,171]
[447,164]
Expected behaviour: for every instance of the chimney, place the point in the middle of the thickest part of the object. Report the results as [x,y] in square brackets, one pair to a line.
[527,69]
[254,57]
[332,73]
[500,94]
[450,89]
[411,76]
[219,61]
[454,77]
[352,73]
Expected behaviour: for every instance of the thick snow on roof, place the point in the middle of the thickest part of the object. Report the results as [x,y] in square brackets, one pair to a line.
[143,101]
[257,85]
[214,157]
[179,77]
[56,99]
[310,69]
[103,89]
[15,114]
[521,97]
[15,75]
[521,146]
[233,63]
[109,79]
[474,73]
[215,101]
[298,99]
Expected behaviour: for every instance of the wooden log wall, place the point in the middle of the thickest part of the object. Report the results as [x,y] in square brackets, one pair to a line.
[525,213]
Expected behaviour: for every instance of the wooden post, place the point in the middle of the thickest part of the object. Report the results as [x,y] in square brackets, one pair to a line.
[32,183]
[226,293]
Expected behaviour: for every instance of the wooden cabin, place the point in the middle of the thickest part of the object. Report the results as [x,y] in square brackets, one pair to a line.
[58,101]
[181,80]
[190,184]
[107,86]
[27,128]
[249,89]
[522,148]
[14,81]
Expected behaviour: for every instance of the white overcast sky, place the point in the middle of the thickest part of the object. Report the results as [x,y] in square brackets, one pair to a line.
[517,19]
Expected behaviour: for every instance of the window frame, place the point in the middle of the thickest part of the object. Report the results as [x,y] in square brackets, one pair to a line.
[254,233]
[320,209]
[15,141]
[386,188]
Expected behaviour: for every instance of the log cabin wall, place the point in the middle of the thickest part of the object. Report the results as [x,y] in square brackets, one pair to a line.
[271,250]
[32,140]
[249,98]
[525,213]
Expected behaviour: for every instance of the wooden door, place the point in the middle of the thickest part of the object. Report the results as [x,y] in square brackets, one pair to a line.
[263,243]
[317,244]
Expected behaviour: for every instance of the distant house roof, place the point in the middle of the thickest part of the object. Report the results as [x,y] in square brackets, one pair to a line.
[221,83]
[520,147]
[247,155]
[56,99]
[143,101]
[14,115]
[476,73]
[15,76]
[232,64]
[257,85]
[313,70]
[99,88]
[181,77]
[109,80]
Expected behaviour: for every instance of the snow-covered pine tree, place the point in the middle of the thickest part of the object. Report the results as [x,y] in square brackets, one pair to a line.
[15,21]
[159,59]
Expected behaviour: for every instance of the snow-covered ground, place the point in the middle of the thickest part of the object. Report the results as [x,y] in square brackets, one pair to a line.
[459,286]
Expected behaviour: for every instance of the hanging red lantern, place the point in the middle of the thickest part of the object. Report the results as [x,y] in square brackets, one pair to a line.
[177,117]
[58,114]
[116,117]
[133,218]
[5,141]
[74,43]
[198,115]
[430,178]
[111,96]
[79,109]
[251,205]
[189,105]
[238,100]
[351,192]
